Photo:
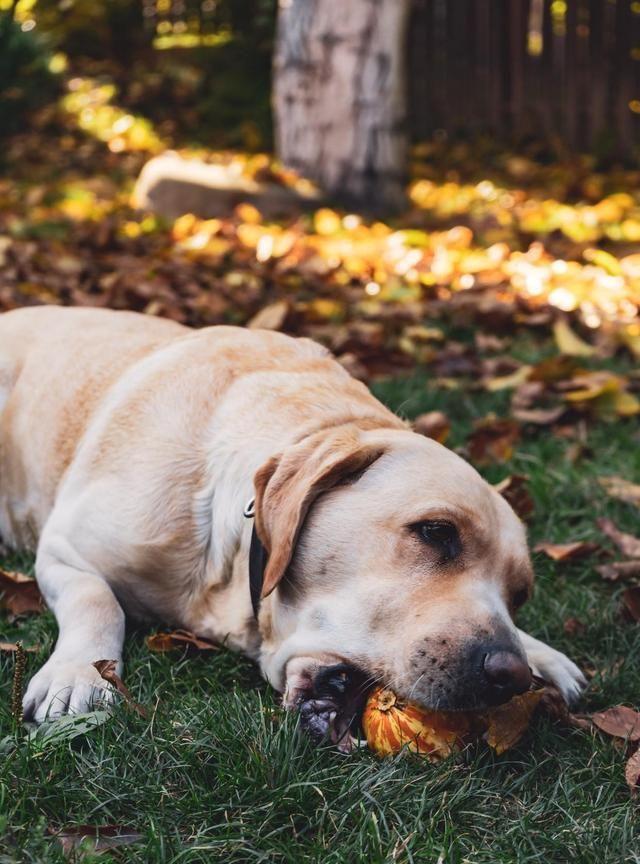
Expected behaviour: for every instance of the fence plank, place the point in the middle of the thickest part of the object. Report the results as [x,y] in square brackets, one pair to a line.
[563,72]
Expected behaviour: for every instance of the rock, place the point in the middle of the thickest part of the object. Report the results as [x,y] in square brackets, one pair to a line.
[170,186]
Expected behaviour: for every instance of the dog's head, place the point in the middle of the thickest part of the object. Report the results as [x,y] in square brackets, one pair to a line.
[389,552]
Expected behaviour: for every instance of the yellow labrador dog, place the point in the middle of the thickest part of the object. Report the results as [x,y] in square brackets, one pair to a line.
[152,467]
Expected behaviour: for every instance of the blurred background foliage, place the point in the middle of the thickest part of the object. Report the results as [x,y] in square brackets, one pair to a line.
[168,60]
[548,77]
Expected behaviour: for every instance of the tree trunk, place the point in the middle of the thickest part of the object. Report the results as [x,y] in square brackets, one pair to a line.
[340,97]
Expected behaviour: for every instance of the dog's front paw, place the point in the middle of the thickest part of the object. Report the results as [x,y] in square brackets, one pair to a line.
[65,687]
[556,668]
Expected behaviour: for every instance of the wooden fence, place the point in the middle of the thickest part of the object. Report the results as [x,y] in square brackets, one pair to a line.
[566,70]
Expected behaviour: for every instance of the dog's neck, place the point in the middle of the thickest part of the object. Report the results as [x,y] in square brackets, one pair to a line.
[222,529]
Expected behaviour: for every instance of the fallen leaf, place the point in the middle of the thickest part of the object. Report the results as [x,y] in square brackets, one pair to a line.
[353,365]
[632,772]
[538,416]
[514,490]
[19,594]
[623,490]
[11,647]
[631,600]
[619,570]
[98,838]
[567,551]
[160,642]
[489,342]
[493,440]
[107,670]
[602,392]
[573,627]
[271,317]
[630,336]
[507,723]
[433,424]
[626,543]
[507,382]
[554,706]
[568,342]
[620,721]
[553,369]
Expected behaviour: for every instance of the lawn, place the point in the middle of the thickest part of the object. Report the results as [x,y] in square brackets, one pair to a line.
[218,773]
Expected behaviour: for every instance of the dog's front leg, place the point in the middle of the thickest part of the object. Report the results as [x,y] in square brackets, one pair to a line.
[553,666]
[91,627]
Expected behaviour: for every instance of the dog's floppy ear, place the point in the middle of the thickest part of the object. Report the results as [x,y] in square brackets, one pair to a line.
[287,485]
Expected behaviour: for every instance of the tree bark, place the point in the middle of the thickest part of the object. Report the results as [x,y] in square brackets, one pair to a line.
[339,97]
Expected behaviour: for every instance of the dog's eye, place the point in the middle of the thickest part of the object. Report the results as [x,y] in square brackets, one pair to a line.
[442,536]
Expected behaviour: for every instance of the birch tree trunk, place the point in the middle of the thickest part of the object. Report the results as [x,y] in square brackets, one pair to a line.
[339,97]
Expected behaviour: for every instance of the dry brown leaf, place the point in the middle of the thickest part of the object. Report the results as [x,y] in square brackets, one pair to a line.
[626,543]
[573,627]
[619,570]
[623,490]
[514,490]
[433,424]
[107,670]
[538,416]
[567,551]
[98,838]
[620,721]
[508,723]
[493,440]
[19,594]
[489,343]
[632,772]
[631,600]
[11,647]
[160,642]
[553,369]
[554,706]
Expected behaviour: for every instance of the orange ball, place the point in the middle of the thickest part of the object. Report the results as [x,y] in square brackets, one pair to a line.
[390,724]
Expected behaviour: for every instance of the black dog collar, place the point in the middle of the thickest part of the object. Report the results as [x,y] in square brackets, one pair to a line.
[257,561]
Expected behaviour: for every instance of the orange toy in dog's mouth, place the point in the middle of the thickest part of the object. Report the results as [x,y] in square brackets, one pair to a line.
[391,724]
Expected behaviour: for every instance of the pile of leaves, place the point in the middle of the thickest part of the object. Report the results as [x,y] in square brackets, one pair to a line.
[482,254]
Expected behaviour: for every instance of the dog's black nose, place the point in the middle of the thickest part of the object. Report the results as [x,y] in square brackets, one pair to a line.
[506,674]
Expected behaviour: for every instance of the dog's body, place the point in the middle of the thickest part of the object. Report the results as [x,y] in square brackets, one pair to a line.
[129,449]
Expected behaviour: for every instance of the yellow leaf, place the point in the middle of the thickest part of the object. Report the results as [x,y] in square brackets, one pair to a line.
[593,385]
[507,382]
[327,221]
[626,404]
[630,336]
[248,213]
[605,260]
[568,342]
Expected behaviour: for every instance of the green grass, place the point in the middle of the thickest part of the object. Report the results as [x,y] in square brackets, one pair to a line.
[218,773]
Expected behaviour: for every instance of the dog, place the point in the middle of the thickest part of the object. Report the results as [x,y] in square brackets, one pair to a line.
[242,485]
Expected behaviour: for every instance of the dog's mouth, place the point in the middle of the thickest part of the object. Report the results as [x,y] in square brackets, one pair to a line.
[332,711]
